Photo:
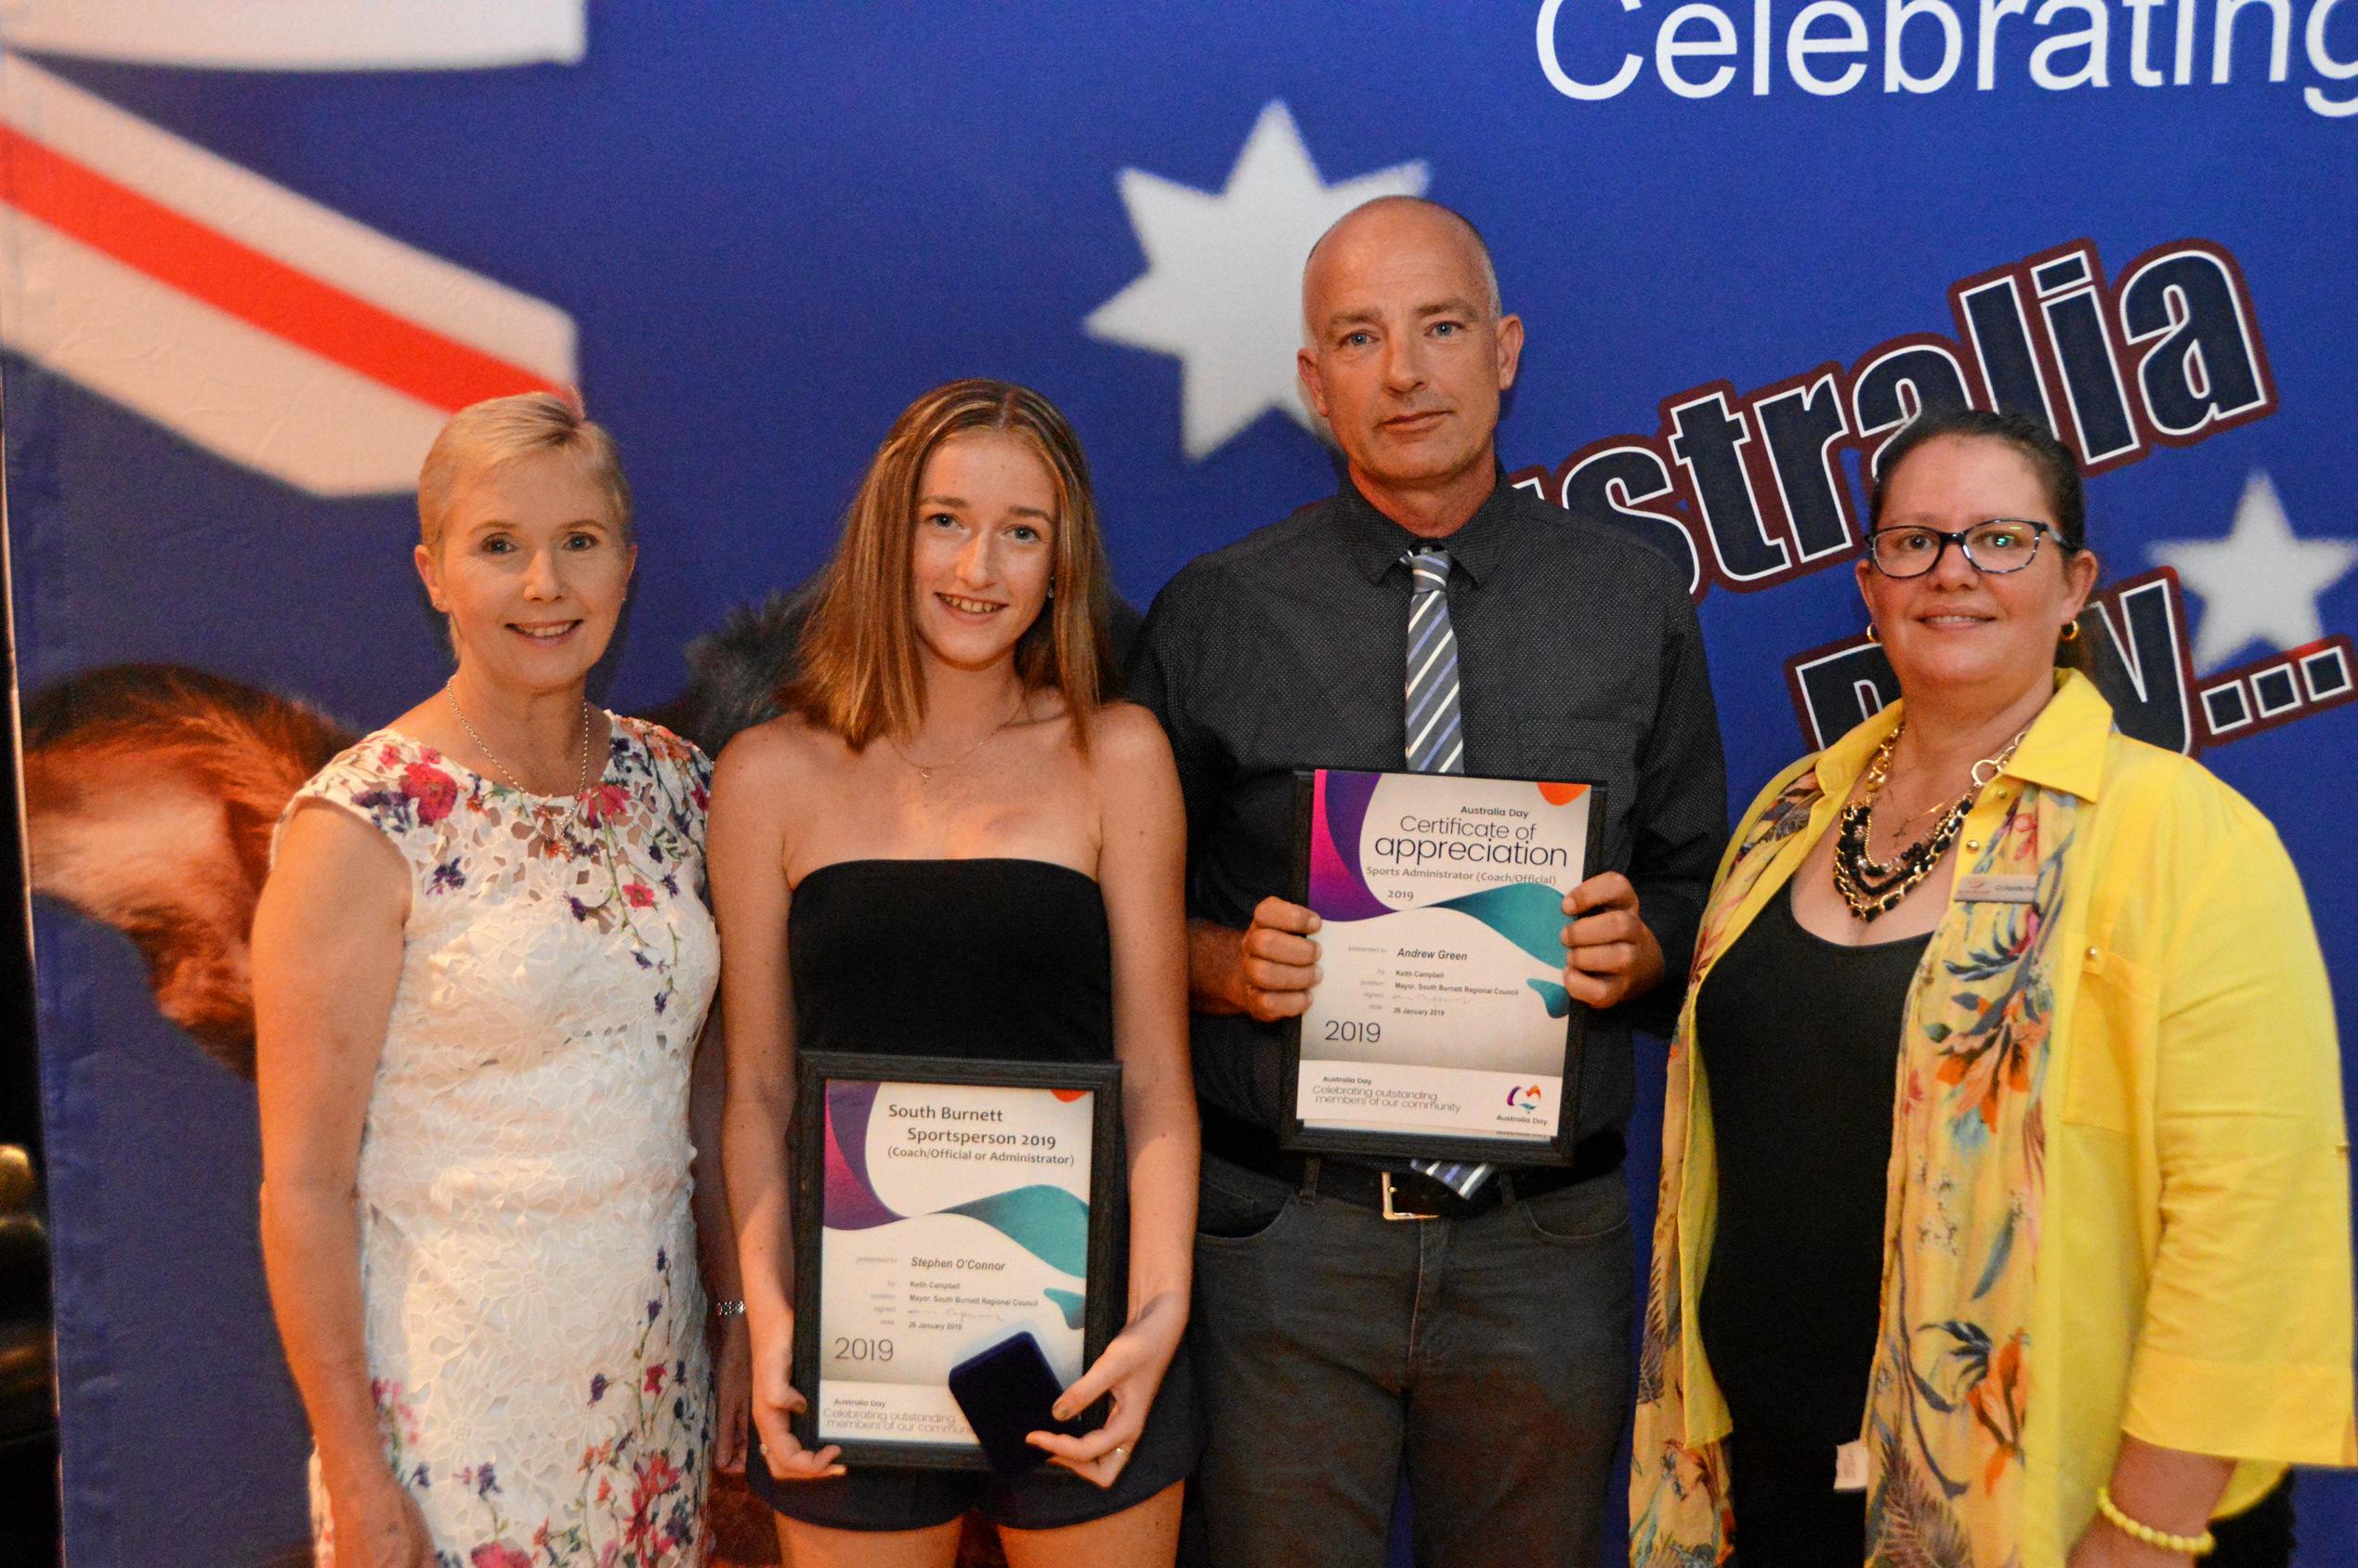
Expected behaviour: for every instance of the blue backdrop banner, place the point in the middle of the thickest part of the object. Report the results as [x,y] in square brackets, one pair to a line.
[256,253]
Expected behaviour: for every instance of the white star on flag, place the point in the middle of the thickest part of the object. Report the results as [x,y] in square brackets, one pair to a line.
[1223,286]
[2261,582]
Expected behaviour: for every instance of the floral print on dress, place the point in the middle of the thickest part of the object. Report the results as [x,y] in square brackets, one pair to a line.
[534,1320]
[417,787]
[640,1498]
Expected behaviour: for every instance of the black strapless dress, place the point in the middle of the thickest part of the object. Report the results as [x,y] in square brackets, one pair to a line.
[1000,959]
[995,960]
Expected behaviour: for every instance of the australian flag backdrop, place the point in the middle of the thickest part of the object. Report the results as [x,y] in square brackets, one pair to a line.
[251,254]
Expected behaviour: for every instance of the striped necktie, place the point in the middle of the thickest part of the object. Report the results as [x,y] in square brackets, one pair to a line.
[1436,744]
[1436,738]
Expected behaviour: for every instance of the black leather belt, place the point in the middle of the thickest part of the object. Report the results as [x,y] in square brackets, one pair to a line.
[1398,1193]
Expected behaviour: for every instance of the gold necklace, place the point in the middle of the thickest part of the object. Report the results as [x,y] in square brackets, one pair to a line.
[514,783]
[925,772]
[1870,887]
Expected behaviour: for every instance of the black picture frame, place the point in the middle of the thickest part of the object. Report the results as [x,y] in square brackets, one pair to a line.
[1392,1146]
[1103,1285]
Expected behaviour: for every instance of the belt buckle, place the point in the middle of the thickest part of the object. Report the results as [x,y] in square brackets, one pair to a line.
[1391,1213]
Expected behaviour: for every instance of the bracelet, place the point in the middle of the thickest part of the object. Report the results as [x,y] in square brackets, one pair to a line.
[2192,1546]
[727,1310]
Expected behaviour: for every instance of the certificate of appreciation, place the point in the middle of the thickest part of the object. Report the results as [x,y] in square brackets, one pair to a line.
[940,1207]
[1441,1025]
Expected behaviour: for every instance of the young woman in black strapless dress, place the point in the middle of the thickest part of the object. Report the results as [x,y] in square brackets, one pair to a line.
[950,845]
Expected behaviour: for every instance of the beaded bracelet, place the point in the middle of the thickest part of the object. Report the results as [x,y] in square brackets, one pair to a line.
[2193,1546]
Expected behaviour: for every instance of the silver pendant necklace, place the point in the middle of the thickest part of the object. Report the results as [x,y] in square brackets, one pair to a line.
[514,783]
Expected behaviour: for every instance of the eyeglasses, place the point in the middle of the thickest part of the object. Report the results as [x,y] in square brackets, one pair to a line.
[2000,546]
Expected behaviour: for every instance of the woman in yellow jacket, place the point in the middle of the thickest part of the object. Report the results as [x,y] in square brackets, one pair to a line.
[2005,1208]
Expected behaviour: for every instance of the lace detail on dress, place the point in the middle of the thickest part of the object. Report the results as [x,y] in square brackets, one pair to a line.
[534,1319]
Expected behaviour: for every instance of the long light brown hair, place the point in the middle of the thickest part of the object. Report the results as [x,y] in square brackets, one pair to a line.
[860,675]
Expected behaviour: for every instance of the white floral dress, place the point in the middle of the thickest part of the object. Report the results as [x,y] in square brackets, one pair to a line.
[528,1255]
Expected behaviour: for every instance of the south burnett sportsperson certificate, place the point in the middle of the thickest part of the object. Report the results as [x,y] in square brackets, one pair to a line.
[1441,1025]
[949,1208]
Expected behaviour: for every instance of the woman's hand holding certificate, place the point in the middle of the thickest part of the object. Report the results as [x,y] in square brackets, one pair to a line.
[1131,1370]
[944,1207]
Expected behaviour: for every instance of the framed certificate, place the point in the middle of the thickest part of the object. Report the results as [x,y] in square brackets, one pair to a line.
[1440,1027]
[941,1207]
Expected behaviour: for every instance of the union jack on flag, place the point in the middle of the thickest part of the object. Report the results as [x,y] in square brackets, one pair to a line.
[250,320]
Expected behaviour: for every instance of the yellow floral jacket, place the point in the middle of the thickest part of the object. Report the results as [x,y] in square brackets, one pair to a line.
[2120,1194]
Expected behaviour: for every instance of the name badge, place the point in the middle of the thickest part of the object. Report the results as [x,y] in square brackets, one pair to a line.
[1997,890]
[1850,1467]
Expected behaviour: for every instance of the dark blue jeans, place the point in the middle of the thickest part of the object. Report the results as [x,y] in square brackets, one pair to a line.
[1491,1356]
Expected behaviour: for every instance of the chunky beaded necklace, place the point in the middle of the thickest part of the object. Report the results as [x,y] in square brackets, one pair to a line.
[1872,888]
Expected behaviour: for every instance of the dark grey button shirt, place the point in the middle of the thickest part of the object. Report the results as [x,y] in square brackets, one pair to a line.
[1579,657]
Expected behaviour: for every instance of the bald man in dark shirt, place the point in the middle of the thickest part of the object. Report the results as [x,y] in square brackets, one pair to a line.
[1483,1342]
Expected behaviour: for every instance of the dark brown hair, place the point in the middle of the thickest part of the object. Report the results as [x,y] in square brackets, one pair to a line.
[2051,461]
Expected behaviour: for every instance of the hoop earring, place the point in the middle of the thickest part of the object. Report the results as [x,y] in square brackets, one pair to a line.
[1872,636]
[2071,632]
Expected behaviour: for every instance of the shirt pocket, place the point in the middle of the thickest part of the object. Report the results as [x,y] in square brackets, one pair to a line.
[2106,1060]
[1557,747]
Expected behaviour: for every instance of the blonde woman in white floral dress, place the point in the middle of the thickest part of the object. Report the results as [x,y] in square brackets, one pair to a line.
[481,969]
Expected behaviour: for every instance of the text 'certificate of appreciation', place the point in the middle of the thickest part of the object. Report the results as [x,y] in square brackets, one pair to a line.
[952,1215]
[1441,1020]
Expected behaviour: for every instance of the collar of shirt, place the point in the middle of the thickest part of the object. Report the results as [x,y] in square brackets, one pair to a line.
[2064,750]
[1376,542]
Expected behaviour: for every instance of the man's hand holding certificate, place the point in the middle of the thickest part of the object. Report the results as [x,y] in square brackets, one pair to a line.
[1269,968]
[1264,971]
[1610,955]
[1445,985]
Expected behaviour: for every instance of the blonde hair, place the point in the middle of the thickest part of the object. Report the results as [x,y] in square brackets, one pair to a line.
[860,675]
[483,436]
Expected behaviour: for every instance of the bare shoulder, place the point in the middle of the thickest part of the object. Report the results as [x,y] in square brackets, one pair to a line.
[1129,763]
[428,716]
[1128,747]
[1142,828]
[777,754]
